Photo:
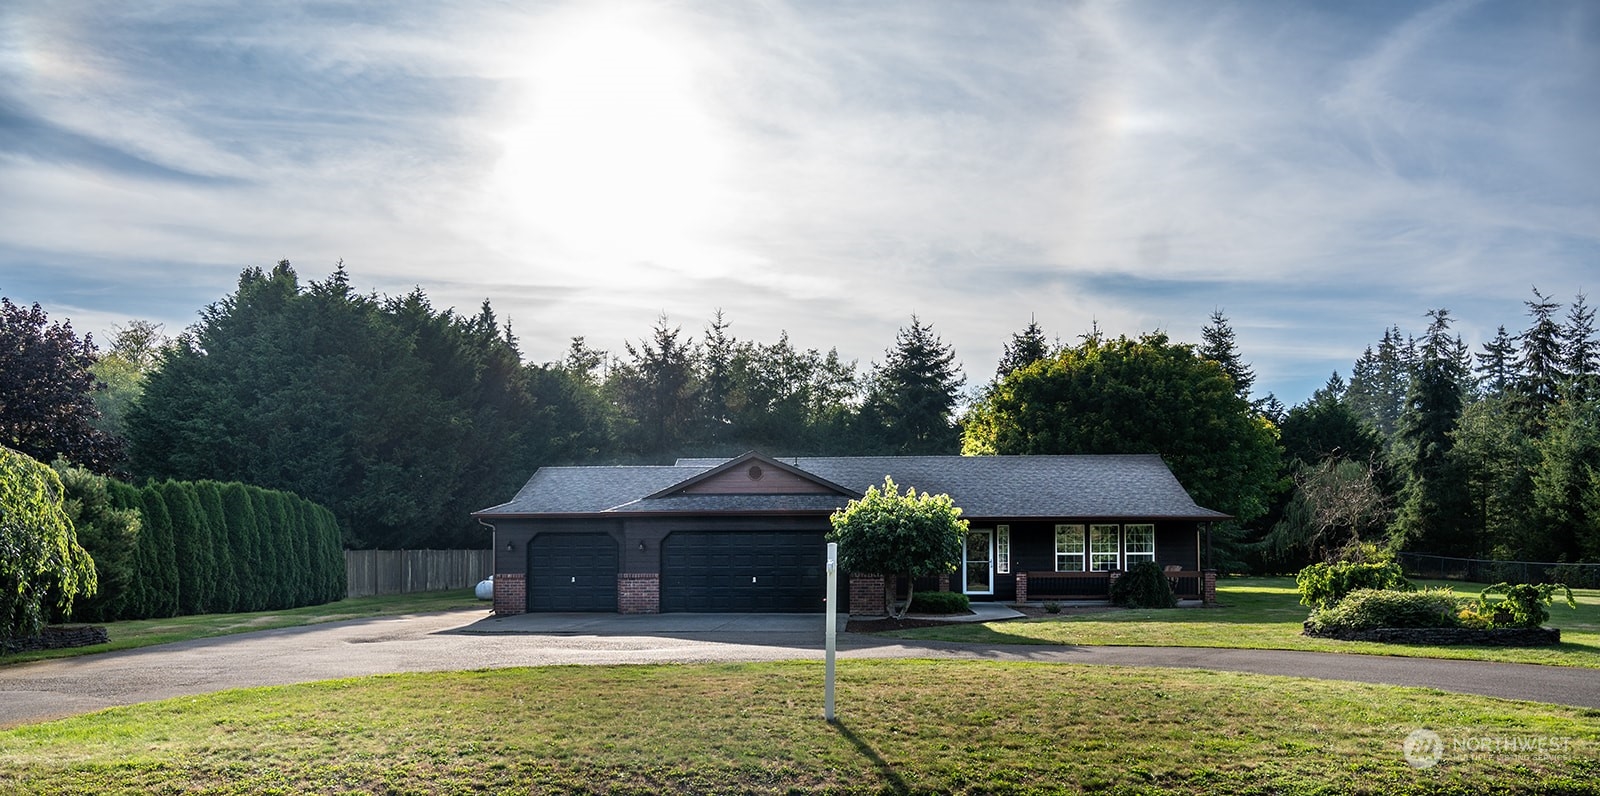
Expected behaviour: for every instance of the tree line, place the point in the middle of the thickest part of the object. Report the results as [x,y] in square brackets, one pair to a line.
[402,418]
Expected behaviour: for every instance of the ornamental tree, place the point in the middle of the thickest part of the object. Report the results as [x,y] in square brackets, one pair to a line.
[42,567]
[914,534]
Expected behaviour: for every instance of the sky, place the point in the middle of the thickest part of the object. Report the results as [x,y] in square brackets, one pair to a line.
[1316,171]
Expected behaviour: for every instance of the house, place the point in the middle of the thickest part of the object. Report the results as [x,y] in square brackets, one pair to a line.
[747,534]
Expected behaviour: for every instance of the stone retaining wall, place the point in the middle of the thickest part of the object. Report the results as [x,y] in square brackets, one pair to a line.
[57,637]
[1448,636]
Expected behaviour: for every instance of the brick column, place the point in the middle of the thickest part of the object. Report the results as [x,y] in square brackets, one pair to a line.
[1208,588]
[510,593]
[1022,587]
[638,593]
[867,595]
[944,582]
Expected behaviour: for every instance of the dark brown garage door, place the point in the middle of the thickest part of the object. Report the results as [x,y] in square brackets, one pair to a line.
[744,572]
[572,572]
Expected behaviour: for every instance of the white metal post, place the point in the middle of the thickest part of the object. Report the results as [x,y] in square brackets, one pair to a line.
[832,613]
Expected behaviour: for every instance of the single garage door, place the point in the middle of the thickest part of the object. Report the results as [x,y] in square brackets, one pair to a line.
[572,572]
[744,572]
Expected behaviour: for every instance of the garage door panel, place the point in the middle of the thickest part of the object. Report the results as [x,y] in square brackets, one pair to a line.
[744,572]
[572,572]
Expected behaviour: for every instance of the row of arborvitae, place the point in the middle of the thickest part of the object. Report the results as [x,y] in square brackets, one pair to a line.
[195,547]
[1368,595]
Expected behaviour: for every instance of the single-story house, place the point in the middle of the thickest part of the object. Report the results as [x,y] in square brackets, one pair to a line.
[746,534]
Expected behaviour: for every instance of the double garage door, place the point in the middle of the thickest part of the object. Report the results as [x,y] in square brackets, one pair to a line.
[744,572]
[701,571]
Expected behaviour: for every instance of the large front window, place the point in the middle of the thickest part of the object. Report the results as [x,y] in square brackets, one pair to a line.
[1102,548]
[1139,543]
[1069,548]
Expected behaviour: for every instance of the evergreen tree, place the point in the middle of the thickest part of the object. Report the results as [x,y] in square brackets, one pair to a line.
[1219,347]
[1434,508]
[225,586]
[193,548]
[1566,485]
[1497,461]
[1025,348]
[911,397]
[246,553]
[656,393]
[716,383]
[1497,364]
[1380,381]
[1579,351]
[157,556]
[1541,361]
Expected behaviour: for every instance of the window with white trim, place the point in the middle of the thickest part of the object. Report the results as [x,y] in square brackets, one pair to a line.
[1002,549]
[1069,548]
[1102,548]
[1138,543]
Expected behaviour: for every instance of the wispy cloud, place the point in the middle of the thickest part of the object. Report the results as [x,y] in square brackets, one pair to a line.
[827,168]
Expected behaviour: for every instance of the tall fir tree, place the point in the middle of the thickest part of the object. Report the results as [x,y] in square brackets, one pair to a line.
[1497,365]
[1219,347]
[1540,362]
[911,397]
[1025,348]
[1434,501]
[1580,354]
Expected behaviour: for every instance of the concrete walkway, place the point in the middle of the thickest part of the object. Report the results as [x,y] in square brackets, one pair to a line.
[461,640]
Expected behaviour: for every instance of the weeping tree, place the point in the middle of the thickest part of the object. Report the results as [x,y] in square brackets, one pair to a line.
[42,567]
[911,535]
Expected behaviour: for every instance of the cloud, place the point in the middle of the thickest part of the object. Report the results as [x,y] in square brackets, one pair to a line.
[826,168]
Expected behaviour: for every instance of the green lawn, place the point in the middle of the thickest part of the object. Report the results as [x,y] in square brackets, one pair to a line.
[905,727]
[146,632]
[1265,613]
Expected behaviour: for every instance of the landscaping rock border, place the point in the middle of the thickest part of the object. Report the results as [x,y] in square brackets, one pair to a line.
[1447,636]
[57,637]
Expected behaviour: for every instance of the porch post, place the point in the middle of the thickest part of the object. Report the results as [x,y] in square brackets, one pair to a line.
[1022,587]
[1208,588]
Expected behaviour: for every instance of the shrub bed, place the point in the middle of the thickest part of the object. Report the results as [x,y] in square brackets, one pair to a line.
[1444,636]
[1364,609]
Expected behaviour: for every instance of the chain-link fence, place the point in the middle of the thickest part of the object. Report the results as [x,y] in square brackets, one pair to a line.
[1418,565]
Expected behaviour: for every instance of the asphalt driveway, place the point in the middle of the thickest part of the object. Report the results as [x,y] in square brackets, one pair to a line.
[473,640]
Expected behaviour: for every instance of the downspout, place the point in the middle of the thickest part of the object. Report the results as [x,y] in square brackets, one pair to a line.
[494,544]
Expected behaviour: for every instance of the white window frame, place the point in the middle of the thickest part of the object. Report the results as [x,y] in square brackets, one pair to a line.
[1105,554]
[1068,553]
[1144,551]
[1002,549]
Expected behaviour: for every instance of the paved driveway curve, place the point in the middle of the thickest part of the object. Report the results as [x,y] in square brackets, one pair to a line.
[468,640]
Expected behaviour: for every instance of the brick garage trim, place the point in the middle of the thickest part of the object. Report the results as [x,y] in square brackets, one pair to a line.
[869,595]
[638,593]
[510,594]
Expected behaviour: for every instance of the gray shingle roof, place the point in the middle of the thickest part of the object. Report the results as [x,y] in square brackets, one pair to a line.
[1088,487]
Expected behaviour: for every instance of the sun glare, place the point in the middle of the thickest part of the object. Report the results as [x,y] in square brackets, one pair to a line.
[612,158]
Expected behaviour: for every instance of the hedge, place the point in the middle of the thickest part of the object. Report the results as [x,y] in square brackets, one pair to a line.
[210,547]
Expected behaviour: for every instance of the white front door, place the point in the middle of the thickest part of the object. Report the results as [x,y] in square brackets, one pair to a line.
[977,563]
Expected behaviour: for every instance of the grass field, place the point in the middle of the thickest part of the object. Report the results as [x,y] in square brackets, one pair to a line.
[146,632]
[1265,613]
[905,727]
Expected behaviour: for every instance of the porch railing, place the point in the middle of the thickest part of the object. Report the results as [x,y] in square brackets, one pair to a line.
[1050,585]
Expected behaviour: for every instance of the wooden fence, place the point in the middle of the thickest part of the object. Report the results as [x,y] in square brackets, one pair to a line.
[369,572]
